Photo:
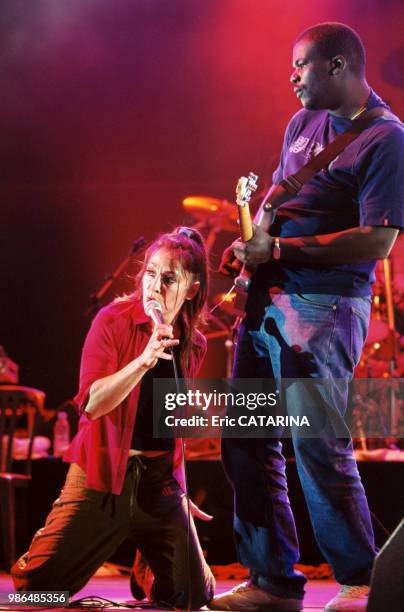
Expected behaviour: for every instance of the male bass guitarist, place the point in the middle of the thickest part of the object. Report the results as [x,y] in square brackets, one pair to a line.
[307,316]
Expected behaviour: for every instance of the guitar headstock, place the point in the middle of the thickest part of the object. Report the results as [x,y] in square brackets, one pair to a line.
[245,188]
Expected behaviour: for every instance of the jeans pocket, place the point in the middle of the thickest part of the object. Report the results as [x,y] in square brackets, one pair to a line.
[358,331]
[361,307]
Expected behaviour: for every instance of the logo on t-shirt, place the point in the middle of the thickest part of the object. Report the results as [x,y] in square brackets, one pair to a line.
[303,144]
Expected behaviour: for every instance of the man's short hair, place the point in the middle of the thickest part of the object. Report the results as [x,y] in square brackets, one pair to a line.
[331,39]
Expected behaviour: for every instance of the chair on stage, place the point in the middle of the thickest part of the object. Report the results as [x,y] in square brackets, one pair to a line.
[16,403]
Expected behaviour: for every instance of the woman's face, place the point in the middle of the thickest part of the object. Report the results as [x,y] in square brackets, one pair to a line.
[165,281]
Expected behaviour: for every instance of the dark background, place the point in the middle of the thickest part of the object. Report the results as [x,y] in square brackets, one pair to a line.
[112,112]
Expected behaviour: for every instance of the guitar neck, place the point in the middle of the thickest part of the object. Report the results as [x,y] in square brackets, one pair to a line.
[244,190]
[246,228]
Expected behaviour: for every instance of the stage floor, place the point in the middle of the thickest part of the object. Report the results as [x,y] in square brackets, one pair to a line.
[116,588]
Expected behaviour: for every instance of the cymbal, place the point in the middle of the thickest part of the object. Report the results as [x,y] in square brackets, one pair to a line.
[215,211]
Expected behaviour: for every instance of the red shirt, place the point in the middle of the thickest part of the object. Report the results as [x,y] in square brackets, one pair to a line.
[118,334]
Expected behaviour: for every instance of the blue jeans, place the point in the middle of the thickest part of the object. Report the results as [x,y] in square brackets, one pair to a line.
[301,336]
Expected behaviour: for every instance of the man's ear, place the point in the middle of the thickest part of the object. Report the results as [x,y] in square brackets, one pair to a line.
[337,64]
[192,290]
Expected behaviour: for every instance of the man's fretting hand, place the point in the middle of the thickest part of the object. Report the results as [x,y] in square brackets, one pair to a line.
[256,251]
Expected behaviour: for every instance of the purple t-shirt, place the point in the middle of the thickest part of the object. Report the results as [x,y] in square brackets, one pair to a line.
[363,186]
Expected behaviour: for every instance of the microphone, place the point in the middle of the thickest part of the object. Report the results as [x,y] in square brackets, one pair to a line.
[154,311]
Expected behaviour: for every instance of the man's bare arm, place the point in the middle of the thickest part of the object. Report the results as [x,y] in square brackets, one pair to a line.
[356,245]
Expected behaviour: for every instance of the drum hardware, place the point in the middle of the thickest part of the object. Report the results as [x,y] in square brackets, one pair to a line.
[212,211]
[380,360]
[392,340]
[213,215]
[96,298]
[370,426]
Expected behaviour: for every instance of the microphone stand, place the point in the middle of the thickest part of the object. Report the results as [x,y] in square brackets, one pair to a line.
[95,298]
[187,498]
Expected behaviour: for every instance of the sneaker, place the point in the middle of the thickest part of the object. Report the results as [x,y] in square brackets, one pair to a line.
[248,596]
[349,599]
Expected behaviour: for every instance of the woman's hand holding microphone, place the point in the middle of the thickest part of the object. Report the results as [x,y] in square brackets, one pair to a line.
[161,339]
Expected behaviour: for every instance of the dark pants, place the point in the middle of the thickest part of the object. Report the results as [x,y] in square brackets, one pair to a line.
[300,337]
[85,527]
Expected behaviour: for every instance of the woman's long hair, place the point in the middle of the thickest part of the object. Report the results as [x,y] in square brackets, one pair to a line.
[187,246]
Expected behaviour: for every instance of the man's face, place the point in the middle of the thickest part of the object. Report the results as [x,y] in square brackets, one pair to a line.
[313,82]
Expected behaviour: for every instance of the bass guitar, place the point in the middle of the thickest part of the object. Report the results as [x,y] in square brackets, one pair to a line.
[246,186]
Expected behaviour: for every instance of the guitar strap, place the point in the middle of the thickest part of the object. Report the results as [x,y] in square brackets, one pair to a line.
[291,185]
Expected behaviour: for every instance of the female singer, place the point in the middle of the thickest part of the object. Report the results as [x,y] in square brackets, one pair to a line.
[122,482]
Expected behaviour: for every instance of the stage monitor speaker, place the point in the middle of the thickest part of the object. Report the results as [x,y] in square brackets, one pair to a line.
[387,583]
